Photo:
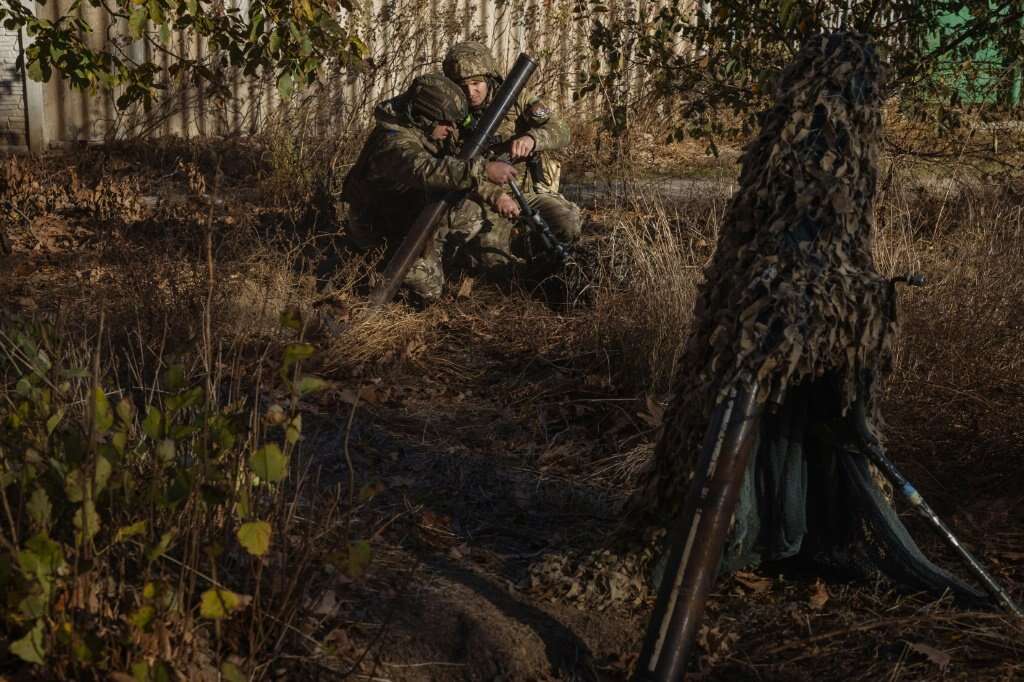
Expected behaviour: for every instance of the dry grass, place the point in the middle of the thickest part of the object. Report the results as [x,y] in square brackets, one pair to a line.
[572,390]
[648,267]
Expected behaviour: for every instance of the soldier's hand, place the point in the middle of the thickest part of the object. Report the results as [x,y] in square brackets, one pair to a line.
[507,206]
[500,172]
[523,147]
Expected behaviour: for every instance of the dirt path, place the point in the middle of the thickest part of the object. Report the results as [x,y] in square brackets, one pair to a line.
[475,487]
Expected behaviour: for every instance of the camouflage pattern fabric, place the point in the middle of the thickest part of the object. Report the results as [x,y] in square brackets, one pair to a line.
[401,169]
[792,293]
[470,59]
[436,98]
[529,115]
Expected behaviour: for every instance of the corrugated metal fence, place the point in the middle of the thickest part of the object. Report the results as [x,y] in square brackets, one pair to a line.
[405,38]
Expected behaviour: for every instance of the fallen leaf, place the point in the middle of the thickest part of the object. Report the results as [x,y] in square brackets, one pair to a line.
[756,583]
[939,658]
[327,605]
[338,641]
[819,595]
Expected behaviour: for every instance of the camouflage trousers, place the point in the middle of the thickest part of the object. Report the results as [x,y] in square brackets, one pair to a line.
[476,239]
[562,215]
[472,237]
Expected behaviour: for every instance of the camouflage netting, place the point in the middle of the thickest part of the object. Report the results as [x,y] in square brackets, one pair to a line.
[792,292]
[792,300]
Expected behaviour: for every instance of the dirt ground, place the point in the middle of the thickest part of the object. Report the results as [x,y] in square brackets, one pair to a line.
[492,448]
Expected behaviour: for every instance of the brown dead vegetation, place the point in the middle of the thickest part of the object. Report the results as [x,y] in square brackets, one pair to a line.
[501,427]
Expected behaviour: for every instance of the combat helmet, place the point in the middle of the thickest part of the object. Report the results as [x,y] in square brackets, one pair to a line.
[432,98]
[470,59]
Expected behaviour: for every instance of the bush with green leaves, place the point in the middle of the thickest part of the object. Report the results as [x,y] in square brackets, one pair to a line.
[290,41]
[721,59]
[129,518]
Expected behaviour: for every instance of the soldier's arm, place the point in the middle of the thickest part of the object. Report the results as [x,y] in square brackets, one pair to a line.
[489,192]
[537,119]
[408,163]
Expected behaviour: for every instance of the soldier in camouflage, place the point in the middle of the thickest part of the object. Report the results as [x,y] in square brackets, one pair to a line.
[407,162]
[527,135]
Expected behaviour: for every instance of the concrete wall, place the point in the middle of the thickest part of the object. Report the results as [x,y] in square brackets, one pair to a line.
[13,131]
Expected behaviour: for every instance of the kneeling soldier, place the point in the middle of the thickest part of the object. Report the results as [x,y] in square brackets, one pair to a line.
[407,162]
[527,135]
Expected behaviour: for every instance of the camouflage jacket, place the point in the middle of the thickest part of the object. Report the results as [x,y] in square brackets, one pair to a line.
[400,169]
[529,115]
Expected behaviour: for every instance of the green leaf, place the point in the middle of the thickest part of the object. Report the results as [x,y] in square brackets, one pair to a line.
[184,399]
[125,532]
[291,317]
[140,671]
[41,558]
[255,537]
[142,617]
[275,42]
[102,475]
[174,378]
[137,22]
[161,547]
[156,12]
[33,606]
[165,450]
[126,410]
[36,72]
[39,509]
[87,521]
[158,672]
[359,556]
[294,430]
[309,384]
[120,441]
[223,432]
[183,431]
[30,647]
[285,85]
[269,463]
[152,426]
[54,421]
[74,486]
[23,388]
[294,352]
[244,503]
[217,604]
[230,673]
[102,416]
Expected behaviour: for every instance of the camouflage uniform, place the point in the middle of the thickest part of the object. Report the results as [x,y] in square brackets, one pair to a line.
[401,169]
[531,116]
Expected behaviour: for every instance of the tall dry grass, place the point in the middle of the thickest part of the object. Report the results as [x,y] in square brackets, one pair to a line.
[646,269]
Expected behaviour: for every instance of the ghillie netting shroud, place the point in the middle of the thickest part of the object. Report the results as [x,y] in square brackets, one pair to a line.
[794,303]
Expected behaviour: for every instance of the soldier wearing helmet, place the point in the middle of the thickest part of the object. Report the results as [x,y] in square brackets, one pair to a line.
[530,131]
[407,162]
